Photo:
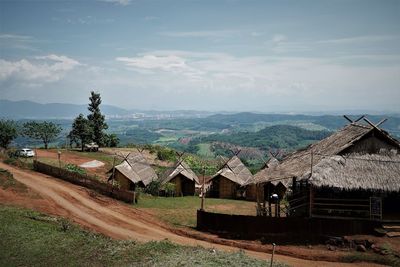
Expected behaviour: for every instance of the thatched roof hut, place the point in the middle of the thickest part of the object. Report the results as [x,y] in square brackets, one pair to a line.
[133,171]
[370,172]
[183,177]
[227,182]
[353,138]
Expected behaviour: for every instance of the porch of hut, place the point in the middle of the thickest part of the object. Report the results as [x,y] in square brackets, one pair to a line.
[269,198]
[359,186]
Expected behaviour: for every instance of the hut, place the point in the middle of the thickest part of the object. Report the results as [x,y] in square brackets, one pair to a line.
[355,138]
[230,180]
[352,186]
[184,178]
[132,172]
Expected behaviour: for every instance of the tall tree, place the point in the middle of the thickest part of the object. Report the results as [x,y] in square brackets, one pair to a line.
[96,119]
[45,131]
[111,140]
[81,132]
[8,132]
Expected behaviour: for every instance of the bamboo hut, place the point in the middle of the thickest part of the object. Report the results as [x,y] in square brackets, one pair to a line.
[230,180]
[132,172]
[184,178]
[352,186]
[352,139]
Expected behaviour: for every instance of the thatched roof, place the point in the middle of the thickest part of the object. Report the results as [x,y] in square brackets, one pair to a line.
[299,162]
[375,172]
[136,169]
[235,171]
[183,169]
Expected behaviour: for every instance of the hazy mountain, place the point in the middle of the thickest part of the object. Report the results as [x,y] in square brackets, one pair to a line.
[32,110]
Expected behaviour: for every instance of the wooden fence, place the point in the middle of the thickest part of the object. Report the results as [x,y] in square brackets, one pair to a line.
[280,229]
[85,180]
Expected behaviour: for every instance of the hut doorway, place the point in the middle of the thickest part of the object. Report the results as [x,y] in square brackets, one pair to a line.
[188,187]
[391,207]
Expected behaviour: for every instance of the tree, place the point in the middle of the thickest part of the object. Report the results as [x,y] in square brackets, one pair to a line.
[81,132]
[96,119]
[111,140]
[8,132]
[45,131]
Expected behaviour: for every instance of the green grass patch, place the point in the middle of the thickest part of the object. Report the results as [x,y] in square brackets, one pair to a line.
[181,211]
[30,238]
[204,150]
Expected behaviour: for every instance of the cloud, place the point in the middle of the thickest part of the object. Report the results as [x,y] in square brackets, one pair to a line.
[360,39]
[118,2]
[15,37]
[42,69]
[222,33]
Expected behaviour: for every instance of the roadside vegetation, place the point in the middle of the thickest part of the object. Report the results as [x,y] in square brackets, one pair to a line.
[30,238]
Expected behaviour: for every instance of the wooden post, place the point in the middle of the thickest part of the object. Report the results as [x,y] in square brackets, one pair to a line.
[273,252]
[311,200]
[258,200]
[310,186]
[202,189]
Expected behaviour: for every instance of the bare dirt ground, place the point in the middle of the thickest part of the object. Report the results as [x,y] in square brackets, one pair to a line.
[71,158]
[122,221]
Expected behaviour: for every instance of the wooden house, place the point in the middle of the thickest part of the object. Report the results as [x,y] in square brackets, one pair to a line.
[352,186]
[134,171]
[184,178]
[353,139]
[230,180]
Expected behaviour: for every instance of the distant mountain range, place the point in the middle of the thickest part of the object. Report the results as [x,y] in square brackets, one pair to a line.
[32,110]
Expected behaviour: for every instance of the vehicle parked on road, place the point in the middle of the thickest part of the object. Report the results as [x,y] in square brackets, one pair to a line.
[26,152]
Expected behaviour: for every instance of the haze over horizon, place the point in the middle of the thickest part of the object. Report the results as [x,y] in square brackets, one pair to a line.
[229,55]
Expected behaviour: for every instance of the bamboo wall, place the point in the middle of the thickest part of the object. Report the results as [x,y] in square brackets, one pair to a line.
[227,188]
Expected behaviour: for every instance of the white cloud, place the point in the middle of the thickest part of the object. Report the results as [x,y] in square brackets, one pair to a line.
[224,33]
[119,2]
[360,39]
[15,37]
[41,69]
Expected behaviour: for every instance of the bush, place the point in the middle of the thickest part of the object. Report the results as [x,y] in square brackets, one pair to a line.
[74,168]
[153,188]
[170,189]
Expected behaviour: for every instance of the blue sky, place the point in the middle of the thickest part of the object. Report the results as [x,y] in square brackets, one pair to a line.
[207,55]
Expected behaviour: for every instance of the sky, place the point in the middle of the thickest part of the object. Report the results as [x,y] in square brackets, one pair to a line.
[211,55]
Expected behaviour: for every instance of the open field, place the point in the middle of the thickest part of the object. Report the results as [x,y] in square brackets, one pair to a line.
[181,211]
[31,238]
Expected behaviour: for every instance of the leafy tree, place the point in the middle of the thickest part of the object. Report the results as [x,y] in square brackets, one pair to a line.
[81,132]
[111,140]
[8,132]
[96,119]
[45,131]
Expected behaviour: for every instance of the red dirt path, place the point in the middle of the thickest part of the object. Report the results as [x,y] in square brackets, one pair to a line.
[122,221]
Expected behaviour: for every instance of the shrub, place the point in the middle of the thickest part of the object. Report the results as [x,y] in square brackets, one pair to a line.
[153,188]
[74,168]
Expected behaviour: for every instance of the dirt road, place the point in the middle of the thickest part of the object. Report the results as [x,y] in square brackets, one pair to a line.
[117,219]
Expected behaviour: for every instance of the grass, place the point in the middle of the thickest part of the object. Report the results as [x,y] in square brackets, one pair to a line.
[204,149]
[29,238]
[7,181]
[389,260]
[181,211]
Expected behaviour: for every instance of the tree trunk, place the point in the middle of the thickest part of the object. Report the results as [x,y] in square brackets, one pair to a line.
[45,145]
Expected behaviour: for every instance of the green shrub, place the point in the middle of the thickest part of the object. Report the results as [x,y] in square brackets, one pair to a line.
[153,188]
[74,168]
[170,189]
